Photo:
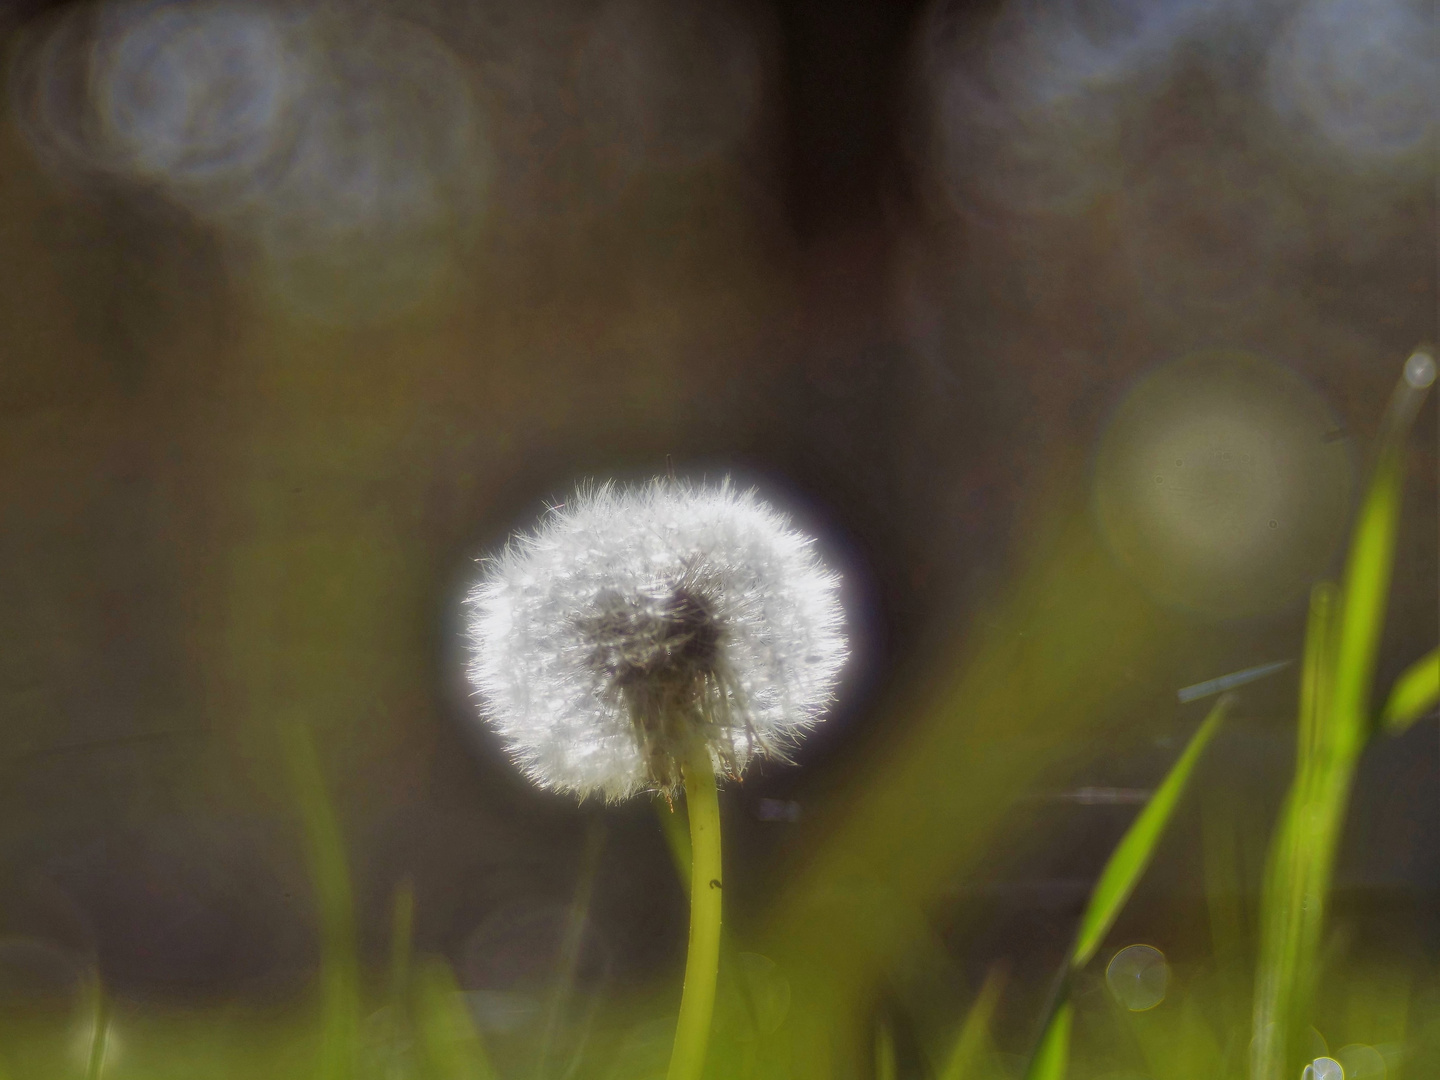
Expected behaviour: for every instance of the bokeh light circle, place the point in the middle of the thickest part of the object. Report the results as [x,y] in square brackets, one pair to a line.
[1138,976]
[195,94]
[339,153]
[1361,1062]
[1420,370]
[1360,74]
[1223,484]
[1324,1068]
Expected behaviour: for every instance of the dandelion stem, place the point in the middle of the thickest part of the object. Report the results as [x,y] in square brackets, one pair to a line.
[697,1001]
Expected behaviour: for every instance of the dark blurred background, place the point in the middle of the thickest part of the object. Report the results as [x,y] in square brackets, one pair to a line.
[306,307]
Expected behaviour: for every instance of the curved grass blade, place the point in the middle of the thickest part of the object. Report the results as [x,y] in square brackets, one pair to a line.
[970,1044]
[1052,1059]
[1368,569]
[1414,694]
[1117,881]
[1122,873]
[330,873]
[450,1047]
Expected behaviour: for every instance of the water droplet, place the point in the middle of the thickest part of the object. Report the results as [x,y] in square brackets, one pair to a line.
[1137,976]
[1420,370]
[1324,1068]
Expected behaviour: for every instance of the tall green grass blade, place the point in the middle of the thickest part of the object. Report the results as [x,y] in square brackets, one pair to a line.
[1361,619]
[450,1047]
[1280,974]
[1129,860]
[974,1037]
[330,874]
[1414,694]
[1052,1059]
[1370,563]
[1343,642]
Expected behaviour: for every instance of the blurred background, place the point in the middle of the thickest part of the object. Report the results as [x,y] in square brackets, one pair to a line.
[307,306]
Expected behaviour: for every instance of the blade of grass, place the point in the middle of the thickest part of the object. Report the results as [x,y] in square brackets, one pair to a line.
[330,874]
[1129,860]
[100,1034]
[1122,873]
[974,1035]
[1337,683]
[973,724]
[450,1046]
[1052,1058]
[1414,694]
[1363,597]
[1279,973]
[1368,568]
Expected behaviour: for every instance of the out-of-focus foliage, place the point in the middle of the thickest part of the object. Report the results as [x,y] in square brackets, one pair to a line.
[1414,694]
[297,305]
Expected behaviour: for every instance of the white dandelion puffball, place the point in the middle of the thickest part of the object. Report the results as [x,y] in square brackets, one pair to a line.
[636,620]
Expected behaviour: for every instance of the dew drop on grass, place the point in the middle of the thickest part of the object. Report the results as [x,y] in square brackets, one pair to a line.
[1324,1068]
[1420,370]
[1138,976]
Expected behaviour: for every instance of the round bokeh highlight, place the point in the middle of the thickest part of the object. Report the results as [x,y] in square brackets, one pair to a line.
[1223,484]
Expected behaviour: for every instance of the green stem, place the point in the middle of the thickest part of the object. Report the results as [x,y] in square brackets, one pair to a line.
[697,1002]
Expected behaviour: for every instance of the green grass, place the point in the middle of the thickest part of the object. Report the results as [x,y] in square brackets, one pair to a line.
[1415,693]
[1336,722]
[1117,881]
[850,928]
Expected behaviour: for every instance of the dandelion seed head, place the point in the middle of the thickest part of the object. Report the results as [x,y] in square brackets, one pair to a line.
[634,619]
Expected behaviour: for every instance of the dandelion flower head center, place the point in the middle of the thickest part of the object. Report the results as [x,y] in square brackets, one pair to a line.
[672,636]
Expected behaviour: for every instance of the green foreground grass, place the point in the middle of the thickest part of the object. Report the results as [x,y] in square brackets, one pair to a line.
[1278,991]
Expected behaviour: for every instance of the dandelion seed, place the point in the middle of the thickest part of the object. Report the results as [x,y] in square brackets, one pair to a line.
[636,619]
